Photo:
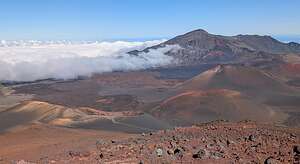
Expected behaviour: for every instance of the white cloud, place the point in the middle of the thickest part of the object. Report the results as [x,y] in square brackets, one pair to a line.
[29,61]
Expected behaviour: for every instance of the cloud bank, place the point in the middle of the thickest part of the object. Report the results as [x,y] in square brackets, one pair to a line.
[29,61]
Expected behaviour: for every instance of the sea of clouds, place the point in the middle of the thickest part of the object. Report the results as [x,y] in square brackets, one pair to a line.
[35,60]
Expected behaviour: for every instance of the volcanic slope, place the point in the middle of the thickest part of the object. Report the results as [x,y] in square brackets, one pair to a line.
[287,71]
[193,107]
[259,85]
[229,92]
[199,46]
[29,112]
[248,80]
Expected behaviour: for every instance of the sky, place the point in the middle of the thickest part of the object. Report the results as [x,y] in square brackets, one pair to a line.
[144,19]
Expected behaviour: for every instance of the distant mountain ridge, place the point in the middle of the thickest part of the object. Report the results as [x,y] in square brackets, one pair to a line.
[199,46]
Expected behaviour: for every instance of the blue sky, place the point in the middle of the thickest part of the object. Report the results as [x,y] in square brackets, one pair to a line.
[138,19]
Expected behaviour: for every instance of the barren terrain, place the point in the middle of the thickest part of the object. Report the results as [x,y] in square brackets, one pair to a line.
[161,115]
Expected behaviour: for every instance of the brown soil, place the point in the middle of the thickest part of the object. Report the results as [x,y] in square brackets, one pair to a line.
[244,142]
[40,142]
[203,106]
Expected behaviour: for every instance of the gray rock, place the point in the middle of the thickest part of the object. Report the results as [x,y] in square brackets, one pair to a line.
[178,152]
[292,135]
[200,154]
[216,155]
[170,152]
[296,149]
[159,152]
[252,138]
[271,160]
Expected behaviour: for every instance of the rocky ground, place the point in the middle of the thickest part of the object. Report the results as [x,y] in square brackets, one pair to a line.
[218,142]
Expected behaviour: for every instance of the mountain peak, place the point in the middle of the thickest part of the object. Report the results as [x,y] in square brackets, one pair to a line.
[199,35]
[197,32]
[199,46]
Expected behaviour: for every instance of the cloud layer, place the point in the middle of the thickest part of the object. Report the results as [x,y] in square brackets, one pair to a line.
[29,61]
